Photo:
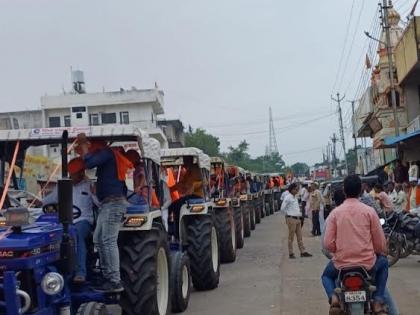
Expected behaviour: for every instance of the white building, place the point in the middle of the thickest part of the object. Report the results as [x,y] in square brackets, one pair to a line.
[75,109]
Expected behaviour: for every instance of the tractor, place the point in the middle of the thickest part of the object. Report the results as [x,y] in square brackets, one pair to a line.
[191,216]
[37,258]
[223,212]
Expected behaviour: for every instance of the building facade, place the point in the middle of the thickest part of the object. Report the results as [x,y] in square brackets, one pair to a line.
[174,132]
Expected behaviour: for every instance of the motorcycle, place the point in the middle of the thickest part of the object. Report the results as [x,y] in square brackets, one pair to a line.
[402,231]
[355,291]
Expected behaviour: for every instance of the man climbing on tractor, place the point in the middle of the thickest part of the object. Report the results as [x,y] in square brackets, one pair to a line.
[111,168]
[83,201]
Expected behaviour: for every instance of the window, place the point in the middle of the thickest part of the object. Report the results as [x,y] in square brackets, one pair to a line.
[94,119]
[78,109]
[54,122]
[109,118]
[15,123]
[67,121]
[124,120]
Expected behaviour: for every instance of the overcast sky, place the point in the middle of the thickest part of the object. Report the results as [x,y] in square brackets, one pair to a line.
[221,63]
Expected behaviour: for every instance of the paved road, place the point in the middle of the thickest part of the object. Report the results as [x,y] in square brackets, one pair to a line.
[264,281]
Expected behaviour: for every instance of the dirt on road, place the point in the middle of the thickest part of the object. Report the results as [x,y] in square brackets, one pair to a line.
[264,281]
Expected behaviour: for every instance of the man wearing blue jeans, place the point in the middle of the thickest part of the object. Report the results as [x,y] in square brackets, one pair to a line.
[111,192]
[354,236]
[83,200]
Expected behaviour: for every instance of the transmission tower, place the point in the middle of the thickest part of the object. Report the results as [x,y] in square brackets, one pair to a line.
[272,142]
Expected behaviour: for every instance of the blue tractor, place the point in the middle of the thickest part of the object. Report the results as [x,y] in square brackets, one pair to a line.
[37,254]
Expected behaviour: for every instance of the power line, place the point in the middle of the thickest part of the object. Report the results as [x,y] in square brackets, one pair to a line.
[352,43]
[344,46]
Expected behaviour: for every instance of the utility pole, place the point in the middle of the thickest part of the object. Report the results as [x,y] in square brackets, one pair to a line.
[272,141]
[385,7]
[340,120]
[353,125]
[334,158]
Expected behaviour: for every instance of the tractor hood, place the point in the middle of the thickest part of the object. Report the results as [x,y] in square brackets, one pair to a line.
[32,236]
[35,245]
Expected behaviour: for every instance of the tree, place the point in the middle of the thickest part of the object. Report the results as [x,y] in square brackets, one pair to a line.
[262,164]
[300,169]
[239,155]
[352,160]
[199,138]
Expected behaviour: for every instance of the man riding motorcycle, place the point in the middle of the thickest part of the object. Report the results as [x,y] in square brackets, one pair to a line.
[355,237]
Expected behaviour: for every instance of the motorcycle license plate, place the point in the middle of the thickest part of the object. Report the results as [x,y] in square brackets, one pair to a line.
[355,296]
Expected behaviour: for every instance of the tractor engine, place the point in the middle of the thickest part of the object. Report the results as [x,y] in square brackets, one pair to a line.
[29,264]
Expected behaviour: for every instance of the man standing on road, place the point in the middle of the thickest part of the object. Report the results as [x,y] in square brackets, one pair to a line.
[315,208]
[290,207]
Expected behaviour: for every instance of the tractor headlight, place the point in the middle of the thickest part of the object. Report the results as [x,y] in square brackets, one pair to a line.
[197,209]
[135,221]
[52,283]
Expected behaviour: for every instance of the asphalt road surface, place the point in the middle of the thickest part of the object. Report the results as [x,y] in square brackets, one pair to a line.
[263,281]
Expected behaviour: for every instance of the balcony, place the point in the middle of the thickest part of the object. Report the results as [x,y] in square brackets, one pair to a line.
[414,125]
[407,51]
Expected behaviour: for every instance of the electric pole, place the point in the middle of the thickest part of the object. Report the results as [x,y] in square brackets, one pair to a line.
[334,158]
[340,120]
[385,7]
[353,126]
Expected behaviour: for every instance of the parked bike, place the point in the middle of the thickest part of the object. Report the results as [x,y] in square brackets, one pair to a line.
[402,231]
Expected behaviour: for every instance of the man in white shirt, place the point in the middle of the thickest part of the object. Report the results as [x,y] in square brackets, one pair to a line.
[290,207]
[83,200]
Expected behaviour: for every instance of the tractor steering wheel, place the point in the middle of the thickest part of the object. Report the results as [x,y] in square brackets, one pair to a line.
[53,208]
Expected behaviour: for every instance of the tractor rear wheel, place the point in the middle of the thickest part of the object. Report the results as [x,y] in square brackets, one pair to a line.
[257,214]
[145,266]
[203,250]
[239,223]
[225,225]
[247,221]
[252,216]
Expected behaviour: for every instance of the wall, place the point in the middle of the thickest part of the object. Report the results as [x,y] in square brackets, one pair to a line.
[411,91]
[25,120]
[406,54]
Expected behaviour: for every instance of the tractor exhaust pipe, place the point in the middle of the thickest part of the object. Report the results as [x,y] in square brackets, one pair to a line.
[65,214]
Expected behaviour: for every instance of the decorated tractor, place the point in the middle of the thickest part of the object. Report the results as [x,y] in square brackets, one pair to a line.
[223,212]
[192,222]
[37,251]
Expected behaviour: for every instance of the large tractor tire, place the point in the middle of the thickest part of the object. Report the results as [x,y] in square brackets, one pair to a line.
[239,223]
[203,250]
[262,210]
[272,207]
[247,221]
[93,308]
[180,281]
[267,208]
[225,225]
[145,269]
[252,216]
[258,214]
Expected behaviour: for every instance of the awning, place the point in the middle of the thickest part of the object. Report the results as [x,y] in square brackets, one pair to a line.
[392,141]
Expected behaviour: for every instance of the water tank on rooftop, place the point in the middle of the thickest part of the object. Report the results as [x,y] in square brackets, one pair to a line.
[78,81]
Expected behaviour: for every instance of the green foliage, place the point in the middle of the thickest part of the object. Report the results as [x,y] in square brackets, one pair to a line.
[352,160]
[262,164]
[300,169]
[199,138]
